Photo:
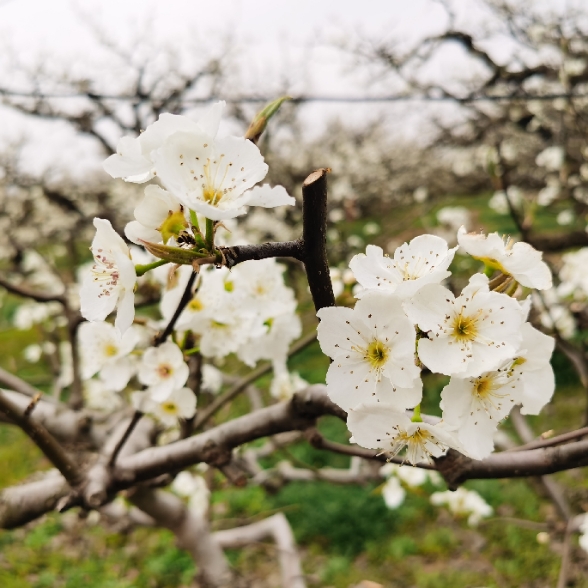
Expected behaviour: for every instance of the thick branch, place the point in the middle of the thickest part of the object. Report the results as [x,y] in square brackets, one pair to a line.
[314,238]
[192,532]
[456,468]
[43,439]
[278,528]
[215,446]
[27,502]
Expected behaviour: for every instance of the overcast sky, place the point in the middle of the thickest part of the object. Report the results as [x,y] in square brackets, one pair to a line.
[272,42]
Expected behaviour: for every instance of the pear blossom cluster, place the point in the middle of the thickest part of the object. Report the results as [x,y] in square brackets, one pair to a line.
[199,183]
[406,322]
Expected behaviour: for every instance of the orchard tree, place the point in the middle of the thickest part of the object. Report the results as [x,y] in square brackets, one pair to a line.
[146,414]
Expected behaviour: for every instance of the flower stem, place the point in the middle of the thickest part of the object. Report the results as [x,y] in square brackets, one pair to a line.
[194,220]
[142,269]
[210,235]
[416,418]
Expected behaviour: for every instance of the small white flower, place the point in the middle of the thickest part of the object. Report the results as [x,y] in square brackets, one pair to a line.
[157,217]
[551,158]
[33,313]
[164,370]
[372,347]
[98,396]
[468,335]
[411,476]
[566,217]
[393,493]
[32,353]
[422,261]
[103,349]
[519,260]
[212,379]
[464,502]
[550,192]
[381,427]
[180,404]
[453,216]
[134,157]
[111,281]
[473,407]
[285,384]
[214,176]
[573,277]
[195,489]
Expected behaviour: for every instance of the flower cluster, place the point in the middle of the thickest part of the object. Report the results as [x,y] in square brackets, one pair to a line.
[201,174]
[406,321]
[249,311]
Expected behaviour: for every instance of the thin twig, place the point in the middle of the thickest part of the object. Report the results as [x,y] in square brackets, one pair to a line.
[558,440]
[134,420]
[562,580]
[18,385]
[319,442]
[28,293]
[184,300]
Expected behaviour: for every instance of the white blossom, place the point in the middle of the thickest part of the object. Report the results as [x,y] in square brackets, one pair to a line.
[157,217]
[100,397]
[422,261]
[573,277]
[163,369]
[180,404]
[134,157]
[195,489]
[551,158]
[464,502]
[32,313]
[467,335]
[111,281]
[411,476]
[550,192]
[565,217]
[583,528]
[519,260]
[393,493]
[372,347]
[285,383]
[473,407]
[214,176]
[377,426]
[103,349]
[453,216]
[32,353]
[212,379]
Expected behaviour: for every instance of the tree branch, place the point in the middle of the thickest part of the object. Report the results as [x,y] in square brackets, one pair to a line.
[32,294]
[44,441]
[192,532]
[279,529]
[314,238]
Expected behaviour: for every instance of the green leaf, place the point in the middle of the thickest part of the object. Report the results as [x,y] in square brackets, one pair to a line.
[173,254]
[261,119]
